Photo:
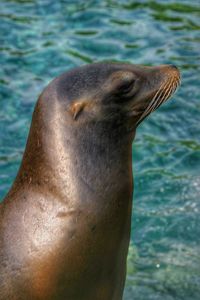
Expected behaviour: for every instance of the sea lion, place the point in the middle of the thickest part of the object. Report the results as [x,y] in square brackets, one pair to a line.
[65,223]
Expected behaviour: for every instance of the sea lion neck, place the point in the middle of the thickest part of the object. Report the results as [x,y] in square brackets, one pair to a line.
[58,154]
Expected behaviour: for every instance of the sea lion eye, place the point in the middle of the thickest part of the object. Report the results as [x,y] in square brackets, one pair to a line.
[126,86]
[123,81]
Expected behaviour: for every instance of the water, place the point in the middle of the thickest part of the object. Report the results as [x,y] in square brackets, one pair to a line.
[43,38]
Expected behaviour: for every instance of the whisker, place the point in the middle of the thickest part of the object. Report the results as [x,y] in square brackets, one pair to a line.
[162,94]
[169,92]
[165,96]
[166,93]
[156,99]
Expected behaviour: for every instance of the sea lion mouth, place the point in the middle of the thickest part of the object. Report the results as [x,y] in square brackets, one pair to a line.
[164,92]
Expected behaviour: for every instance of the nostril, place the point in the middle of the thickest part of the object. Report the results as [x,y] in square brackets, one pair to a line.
[174,66]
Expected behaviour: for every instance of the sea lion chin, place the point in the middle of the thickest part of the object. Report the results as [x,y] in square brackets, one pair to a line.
[65,223]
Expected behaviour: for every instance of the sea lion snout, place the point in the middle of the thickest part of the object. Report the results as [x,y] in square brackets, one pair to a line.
[171,71]
[157,85]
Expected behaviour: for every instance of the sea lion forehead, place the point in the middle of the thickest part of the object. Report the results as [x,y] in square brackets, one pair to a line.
[91,78]
[92,73]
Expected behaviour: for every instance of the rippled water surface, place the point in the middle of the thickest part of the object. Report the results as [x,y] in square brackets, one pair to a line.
[42,38]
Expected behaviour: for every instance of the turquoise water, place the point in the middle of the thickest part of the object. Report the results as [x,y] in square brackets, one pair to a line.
[42,38]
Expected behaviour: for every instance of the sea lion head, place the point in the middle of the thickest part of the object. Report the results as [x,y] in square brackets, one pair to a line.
[114,95]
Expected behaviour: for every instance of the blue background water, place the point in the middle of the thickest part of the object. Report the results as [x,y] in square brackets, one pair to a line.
[42,38]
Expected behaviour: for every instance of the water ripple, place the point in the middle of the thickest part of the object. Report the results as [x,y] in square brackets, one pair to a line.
[43,38]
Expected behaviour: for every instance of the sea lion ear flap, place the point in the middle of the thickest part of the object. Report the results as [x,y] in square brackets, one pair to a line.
[76,108]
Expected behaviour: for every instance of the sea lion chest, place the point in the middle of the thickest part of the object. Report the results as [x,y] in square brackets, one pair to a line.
[59,247]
